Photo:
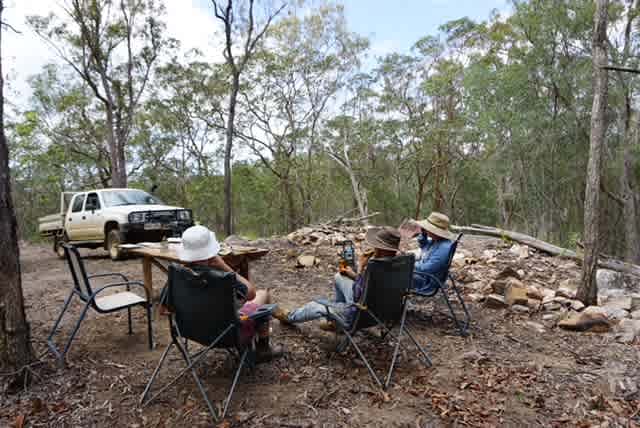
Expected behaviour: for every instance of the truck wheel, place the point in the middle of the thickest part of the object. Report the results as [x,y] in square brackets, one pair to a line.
[114,238]
[57,245]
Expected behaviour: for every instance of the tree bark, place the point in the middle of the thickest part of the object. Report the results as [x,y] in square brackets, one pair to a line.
[588,290]
[228,150]
[15,345]
[359,194]
[630,195]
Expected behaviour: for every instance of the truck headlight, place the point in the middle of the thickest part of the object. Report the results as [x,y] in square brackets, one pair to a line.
[136,218]
[184,215]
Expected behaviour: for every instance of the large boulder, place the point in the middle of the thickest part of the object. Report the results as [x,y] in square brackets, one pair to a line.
[627,330]
[495,301]
[306,261]
[567,289]
[609,282]
[515,293]
[534,292]
[593,319]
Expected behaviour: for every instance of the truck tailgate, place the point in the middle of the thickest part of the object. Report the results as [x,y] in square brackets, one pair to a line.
[50,224]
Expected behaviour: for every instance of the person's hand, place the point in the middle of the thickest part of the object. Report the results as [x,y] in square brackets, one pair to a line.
[347,271]
[364,259]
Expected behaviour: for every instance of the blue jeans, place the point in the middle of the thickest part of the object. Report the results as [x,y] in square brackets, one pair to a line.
[312,310]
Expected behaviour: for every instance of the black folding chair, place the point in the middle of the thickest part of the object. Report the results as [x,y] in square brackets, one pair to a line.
[202,306]
[441,285]
[92,299]
[382,304]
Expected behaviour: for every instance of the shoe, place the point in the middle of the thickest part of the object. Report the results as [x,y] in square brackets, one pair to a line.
[328,326]
[269,353]
[282,315]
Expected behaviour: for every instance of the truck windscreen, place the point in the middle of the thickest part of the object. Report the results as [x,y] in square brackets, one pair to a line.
[115,198]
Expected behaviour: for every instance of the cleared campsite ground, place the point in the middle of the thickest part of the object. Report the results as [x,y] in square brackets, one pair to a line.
[506,373]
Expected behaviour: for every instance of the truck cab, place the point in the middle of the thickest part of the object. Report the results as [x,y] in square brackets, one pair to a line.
[110,217]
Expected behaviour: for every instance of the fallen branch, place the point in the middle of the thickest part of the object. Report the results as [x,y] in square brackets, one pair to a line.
[554,250]
[359,219]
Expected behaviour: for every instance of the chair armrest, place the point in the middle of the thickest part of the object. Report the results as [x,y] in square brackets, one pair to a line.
[429,276]
[104,275]
[263,313]
[120,284]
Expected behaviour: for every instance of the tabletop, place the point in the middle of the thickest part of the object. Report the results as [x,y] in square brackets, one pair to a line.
[168,252]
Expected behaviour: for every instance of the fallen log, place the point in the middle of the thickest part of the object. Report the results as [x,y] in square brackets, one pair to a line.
[538,244]
[351,220]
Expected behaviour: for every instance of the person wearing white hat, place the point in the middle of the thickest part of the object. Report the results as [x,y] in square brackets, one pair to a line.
[435,242]
[200,247]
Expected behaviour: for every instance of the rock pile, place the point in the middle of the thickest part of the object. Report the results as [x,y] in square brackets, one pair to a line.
[524,281]
[326,235]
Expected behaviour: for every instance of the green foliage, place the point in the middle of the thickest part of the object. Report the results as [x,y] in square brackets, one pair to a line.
[485,121]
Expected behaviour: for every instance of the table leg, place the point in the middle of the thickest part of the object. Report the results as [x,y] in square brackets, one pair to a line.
[148,275]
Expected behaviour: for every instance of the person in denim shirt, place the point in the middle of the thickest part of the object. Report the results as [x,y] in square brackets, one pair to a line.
[348,284]
[435,242]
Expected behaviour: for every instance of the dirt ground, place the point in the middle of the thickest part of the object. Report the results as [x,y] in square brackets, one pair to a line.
[505,373]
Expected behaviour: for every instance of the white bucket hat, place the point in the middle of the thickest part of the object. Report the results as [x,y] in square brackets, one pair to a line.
[198,243]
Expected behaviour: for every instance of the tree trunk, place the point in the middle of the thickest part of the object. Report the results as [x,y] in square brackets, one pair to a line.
[118,179]
[228,213]
[15,345]
[588,290]
[629,194]
[292,215]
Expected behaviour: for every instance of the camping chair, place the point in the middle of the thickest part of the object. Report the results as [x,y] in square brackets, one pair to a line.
[202,307]
[442,287]
[92,299]
[382,304]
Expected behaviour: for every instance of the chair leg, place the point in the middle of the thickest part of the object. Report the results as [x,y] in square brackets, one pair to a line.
[185,355]
[235,381]
[129,319]
[467,316]
[153,376]
[364,360]
[427,361]
[149,327]
[453,314]
[397,347]
[75,331]
[50,342]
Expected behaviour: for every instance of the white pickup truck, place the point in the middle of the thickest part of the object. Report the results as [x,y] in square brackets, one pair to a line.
[109,217]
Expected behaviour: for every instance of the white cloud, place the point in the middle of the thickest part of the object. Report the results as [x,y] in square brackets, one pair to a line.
[25,54]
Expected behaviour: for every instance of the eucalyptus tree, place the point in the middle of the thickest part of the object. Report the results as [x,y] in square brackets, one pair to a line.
[242,27]
[15,345]
[113,47]
[421,101]
[588,290]
[305,64]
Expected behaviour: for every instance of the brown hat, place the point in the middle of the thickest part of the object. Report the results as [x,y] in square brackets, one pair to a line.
[438,224]
[385,238]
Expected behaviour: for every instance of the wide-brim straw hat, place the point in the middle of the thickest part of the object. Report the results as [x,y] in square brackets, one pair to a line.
[438,224]
[385,238]
[198,243]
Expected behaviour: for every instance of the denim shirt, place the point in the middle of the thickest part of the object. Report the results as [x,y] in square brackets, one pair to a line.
[434,257]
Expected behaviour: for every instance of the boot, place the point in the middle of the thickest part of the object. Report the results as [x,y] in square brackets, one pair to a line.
[282,315]
[266,353]
[327,326]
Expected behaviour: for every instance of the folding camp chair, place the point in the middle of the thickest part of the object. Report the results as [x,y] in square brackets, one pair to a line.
[383,304]
[92,299]
[202,307]
[441,286]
